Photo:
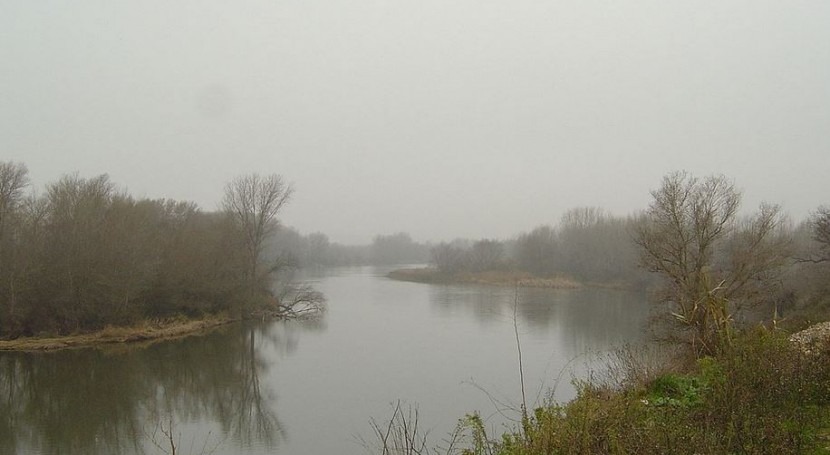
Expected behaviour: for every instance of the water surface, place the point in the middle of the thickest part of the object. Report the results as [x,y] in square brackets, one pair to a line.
[311,387]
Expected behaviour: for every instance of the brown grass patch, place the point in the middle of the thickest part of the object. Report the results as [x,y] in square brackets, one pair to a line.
[147,331]
[491,277]
[420,275]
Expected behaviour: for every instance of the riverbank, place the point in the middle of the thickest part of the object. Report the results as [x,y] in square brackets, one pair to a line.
[147,331]
[492,278]
[764,392]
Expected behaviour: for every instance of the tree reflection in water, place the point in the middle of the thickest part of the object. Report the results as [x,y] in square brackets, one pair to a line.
[584,319]
[109,401]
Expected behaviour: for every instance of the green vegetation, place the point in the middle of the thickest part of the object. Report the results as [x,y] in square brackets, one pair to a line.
[84,255]
[763,395]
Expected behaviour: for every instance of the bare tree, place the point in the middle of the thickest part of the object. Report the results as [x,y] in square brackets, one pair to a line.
[820,226]
[537,251]
[583,217]
[253,202]
[448,259]
[486,255]
[14,178]
[713,264]
[76,255]
[397,248]
[821,229]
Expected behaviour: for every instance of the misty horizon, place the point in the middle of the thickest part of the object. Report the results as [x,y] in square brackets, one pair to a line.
[471,119]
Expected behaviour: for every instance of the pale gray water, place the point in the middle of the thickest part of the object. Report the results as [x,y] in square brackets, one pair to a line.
[311,388]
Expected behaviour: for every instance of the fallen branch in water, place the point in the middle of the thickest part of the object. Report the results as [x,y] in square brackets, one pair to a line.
[304,302]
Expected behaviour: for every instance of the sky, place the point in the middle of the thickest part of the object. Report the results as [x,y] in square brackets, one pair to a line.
[442,118]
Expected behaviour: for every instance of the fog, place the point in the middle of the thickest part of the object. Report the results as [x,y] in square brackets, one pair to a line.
[471,118]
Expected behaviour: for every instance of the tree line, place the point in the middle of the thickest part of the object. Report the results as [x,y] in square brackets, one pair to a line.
[84,254]
[289,246]
[589,244]
[704,259]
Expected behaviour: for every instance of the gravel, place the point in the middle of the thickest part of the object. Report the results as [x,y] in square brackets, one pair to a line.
[813,337]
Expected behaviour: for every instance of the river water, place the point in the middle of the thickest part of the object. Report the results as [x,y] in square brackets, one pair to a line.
[311,387]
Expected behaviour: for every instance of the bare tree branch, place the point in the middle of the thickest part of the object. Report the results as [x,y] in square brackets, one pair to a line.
[253,203]
[692,237]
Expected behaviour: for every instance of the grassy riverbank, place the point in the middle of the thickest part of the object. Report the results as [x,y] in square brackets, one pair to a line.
[491,277]
[147,331]
[760,395]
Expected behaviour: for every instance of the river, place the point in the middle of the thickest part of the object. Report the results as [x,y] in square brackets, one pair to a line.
[310,387]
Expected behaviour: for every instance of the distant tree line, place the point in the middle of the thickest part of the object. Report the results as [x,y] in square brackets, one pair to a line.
[289,246]
[695,241]
[589,245]
[83,254]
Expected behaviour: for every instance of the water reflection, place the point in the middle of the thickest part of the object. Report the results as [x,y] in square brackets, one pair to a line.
[102,402]
[381,340]
[585,319]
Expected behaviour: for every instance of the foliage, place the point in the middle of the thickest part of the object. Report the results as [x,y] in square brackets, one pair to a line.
[676,391]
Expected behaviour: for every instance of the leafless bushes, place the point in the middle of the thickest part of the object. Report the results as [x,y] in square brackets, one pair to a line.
[85,254]
[632,367]
[401,435]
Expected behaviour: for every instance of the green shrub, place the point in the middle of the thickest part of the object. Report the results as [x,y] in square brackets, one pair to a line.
[676,391]
[760,395]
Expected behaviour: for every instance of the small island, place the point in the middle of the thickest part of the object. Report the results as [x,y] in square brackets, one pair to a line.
[490,277]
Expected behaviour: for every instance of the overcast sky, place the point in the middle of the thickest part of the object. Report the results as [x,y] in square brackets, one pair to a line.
[443,118]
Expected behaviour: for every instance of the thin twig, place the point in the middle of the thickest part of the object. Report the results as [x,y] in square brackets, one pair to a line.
[519,350]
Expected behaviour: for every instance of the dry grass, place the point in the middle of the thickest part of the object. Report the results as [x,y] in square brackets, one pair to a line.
[148,331]
[419,275]
[492,278]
